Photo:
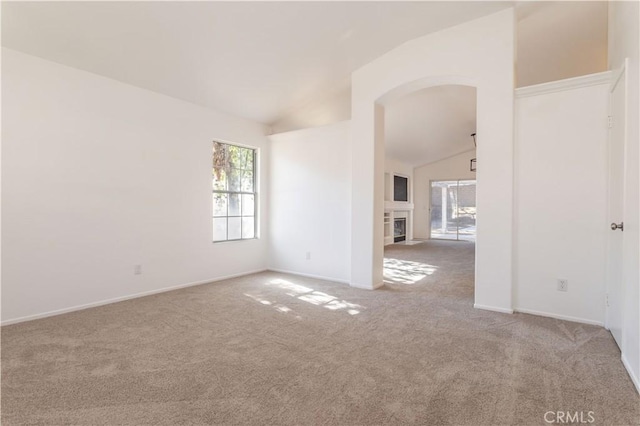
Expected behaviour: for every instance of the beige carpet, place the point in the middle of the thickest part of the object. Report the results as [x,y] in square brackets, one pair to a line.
[277,349]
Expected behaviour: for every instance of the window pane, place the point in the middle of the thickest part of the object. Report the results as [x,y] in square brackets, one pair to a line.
[219,179]
[220,155]
[232,155]
[235,156]
[219,228]
[234,180]
[241,157]
[234,204]
[248,205]
[234,228]
[466,210]
[220,204]
[248,159]
[248,227]
[247,181]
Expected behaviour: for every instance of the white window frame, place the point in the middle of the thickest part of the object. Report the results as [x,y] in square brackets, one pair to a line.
[240,193]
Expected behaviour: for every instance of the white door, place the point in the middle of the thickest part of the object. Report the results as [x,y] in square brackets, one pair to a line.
[617,138]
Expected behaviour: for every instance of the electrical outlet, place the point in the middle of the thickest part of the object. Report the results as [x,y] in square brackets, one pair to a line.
[137,269]
[563,284]
[308,256]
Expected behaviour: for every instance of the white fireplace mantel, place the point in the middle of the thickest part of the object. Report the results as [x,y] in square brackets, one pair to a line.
[397,206]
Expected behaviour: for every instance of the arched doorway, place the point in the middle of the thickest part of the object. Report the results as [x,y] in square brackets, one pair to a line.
[453,56]
[429,188]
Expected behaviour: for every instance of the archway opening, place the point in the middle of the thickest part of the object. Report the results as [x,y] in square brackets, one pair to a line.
[429,183]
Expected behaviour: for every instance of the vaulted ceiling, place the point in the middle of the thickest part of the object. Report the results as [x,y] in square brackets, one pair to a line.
[257,60]
[431,124]
[268,61]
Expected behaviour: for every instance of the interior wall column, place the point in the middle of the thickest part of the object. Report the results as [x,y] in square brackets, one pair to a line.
[367,208]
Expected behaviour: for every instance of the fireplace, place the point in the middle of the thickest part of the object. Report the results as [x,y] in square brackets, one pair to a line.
[399,229]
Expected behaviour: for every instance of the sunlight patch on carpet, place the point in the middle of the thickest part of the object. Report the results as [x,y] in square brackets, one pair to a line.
[277,306]
[317,298]
[398,271]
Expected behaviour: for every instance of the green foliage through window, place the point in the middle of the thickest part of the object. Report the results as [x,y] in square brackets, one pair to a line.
[234,194]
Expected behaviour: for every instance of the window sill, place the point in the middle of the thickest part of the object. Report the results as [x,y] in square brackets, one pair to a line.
[236,241]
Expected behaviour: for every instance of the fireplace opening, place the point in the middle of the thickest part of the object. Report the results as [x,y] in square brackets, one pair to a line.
[399,229]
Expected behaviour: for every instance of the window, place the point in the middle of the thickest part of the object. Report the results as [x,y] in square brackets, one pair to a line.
[234,192]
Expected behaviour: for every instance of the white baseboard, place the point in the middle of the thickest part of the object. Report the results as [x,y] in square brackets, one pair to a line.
[364,287]
[321,277]
[634,378]
[493,308]
[121,299]
[301,274]
[560,317]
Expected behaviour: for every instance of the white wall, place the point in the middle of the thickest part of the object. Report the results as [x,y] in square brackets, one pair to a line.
[624,18]
[333,108]
[98,176]
[452,168]
[561,202]
[437,59]
[310,201]
[560,39]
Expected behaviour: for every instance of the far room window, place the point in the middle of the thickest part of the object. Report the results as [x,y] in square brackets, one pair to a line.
[234,192]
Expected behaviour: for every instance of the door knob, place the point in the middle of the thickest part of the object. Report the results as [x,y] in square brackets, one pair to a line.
[619,226]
